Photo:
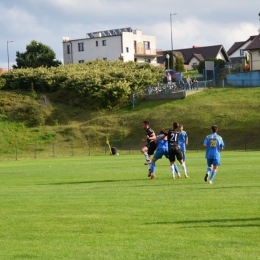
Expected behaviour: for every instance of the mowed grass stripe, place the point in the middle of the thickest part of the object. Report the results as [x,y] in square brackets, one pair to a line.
[105,207]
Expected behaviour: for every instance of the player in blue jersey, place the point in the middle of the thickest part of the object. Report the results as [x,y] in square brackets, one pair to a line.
[214,144]
[162,150]
[183,141]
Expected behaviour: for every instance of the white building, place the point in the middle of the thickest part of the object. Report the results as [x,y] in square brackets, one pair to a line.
[111,45]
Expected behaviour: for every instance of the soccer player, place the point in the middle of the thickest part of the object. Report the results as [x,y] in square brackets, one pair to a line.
[174,148]
[150,147]
[213,144]
[162,149]
[183,141]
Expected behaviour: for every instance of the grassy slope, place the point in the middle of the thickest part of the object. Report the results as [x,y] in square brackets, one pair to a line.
[235,110]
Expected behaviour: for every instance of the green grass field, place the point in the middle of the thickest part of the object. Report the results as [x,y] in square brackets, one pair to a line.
[105,207]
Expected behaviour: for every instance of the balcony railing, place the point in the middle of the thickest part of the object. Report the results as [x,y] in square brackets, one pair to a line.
[143,51]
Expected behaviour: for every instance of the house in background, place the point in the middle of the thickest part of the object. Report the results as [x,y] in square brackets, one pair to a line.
[237,51]
[192,56]
[253,49]
[124,43]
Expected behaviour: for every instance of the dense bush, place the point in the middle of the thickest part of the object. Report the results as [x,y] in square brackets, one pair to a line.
[29,109]
[103,84]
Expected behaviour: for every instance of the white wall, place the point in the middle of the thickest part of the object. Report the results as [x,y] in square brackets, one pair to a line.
[115,46]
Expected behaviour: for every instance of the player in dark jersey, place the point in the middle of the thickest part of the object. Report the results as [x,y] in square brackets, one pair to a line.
[174,148]
[150,147]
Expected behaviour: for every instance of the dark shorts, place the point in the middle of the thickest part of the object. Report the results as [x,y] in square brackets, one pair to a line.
[175,154]
[151,148]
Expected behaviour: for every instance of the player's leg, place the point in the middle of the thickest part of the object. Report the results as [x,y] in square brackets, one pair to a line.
[153,168]
[151,150]
[183,166]
[216,163]
[177,170]
[172,163]
[144,151]
[209,169]
[184,156]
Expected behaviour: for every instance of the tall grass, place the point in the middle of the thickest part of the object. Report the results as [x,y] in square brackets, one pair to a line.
[105,207]
[234,110]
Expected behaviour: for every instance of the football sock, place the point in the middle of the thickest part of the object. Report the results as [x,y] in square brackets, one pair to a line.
[184,157]
[176,168]
[146,156]
[172,170]
[149,166]
[212,176]
[209,170]
[183,166]
[153,167]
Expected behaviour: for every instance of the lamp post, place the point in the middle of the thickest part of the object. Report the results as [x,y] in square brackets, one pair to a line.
[171,39]
[8,53]
[168,57]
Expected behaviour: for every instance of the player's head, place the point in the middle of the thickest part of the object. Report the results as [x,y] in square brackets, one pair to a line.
[181,127]
[175,125]
[214,129]
[145,124]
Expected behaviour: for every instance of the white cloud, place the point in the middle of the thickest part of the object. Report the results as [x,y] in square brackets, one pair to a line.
[199,22]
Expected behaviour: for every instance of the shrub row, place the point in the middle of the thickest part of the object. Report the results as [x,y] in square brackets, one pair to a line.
[100,84]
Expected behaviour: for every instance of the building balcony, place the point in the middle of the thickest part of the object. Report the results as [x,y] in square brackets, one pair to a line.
[142,52]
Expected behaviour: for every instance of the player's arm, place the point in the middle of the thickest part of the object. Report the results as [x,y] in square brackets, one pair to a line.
[152,137]
[187,140]
[162,137]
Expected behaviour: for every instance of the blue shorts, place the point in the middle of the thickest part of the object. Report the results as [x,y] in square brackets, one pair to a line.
[160,152]
[214,162]
[183,147]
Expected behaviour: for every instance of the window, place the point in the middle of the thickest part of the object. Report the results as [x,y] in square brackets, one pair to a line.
[147,60]
[147,45]
[96,43]
[241,52]
[68,49]
[104,42]
[127,49]
[81,61]
[81,46]
[135,59]
[104,58]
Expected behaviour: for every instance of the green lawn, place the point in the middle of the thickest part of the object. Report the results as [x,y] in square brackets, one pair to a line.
[105,207]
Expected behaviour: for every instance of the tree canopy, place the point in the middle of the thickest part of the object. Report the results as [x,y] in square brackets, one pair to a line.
[36,55]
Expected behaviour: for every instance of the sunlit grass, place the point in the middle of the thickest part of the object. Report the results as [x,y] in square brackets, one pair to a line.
[105,207]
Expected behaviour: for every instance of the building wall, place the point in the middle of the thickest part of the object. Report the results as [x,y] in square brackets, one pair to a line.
[255,60]
[116,46]
[111,51]
[193,61]
[220,56]
[237,52]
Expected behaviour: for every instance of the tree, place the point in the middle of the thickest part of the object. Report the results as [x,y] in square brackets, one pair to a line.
[179,64]
[36,55]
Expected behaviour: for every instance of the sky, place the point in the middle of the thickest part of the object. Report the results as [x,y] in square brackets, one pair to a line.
[196,22]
